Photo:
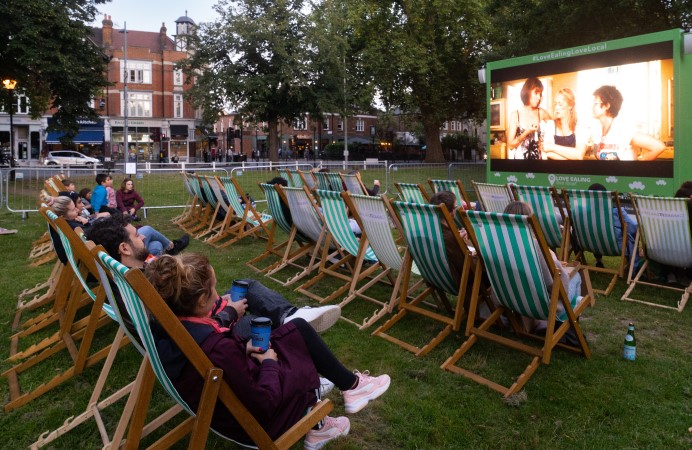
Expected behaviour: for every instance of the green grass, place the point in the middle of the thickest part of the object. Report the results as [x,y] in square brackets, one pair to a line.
[603,402]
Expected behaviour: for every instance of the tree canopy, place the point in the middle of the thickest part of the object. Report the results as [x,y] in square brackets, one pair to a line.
[45,46]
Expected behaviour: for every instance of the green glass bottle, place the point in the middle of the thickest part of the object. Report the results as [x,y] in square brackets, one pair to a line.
[630,351]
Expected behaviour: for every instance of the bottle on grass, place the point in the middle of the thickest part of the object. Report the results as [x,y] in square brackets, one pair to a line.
[630,350]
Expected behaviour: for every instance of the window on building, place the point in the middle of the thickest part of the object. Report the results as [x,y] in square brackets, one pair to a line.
[445,126]
[300,124]
[137,72]
[360,125]
[178,106]
[177,77]
[139,104]
[340,125]
[22,104]
[325,123]
[454,125]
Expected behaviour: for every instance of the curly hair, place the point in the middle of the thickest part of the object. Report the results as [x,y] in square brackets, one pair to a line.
[612,97]
[109,232]
[181,280]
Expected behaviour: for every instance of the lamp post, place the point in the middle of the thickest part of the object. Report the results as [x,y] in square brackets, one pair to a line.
[10,84]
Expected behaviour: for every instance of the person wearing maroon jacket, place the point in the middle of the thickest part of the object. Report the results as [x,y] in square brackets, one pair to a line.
[128,200]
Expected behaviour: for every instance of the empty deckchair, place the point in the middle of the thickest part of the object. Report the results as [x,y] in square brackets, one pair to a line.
[511,248]
[329,181]
[285,252]
[546,205]
[593,216]
[665,236]
[308,178]
[190,199]
[453,186]
[492,197]
[143,304]
[353,182]
[412,192]
[423,231]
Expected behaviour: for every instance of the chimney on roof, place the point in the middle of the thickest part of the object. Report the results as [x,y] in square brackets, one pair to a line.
[107,31]
[162,36]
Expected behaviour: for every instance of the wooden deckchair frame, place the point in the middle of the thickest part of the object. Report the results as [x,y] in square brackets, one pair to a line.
[329,181]
[354,183]
[412,193]
[492,197]
[475,221]
[308,178]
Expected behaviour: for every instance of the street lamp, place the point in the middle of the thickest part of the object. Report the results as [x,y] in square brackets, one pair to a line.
[10,84]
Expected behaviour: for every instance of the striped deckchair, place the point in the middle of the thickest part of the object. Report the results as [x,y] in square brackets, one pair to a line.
[212,194]
[591,216]
[200,215]
[284,251]
[296,179]
[283,173]
[189,202]
[425,245]
[353,182]
[412,193]
[665,236]
[512,248]
[357,253]
[308,178]
[492,197]
[329,181]
[453,186]
[545,203]
[143,304]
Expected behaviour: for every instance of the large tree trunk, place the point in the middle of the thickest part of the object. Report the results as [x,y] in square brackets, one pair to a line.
[273,150]
[433,153]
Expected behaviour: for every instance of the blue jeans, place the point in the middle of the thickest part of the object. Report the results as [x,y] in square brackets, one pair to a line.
[155,242]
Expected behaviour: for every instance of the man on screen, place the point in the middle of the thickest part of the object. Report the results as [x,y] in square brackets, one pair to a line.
[619,140]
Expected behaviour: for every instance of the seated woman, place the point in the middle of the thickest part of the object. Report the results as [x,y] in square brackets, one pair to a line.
[128,200]
[276,386]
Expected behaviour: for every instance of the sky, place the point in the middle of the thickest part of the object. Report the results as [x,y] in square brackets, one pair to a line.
[147,15]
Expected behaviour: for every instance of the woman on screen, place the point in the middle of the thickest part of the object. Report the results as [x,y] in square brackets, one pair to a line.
[620,140]
[560,136]
[524,134]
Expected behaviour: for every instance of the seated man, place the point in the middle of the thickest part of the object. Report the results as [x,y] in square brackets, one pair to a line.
[123,242]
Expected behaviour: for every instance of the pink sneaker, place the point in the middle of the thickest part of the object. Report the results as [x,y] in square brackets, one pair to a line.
[333,428]
[369,388]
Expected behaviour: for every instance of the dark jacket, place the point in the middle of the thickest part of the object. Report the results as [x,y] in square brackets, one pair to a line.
[127,200]
[277,393]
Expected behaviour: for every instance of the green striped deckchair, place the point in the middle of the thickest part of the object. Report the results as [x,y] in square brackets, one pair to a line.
[188,202]
[453,186]
[665,236]
[354,184]
[213,195]
[357,253]
[245,220]
[544,202]
[329,181]
[308,178]
[492,197]
[591,217]
[376,218]
[143,304]
[283,173]
[284,251]
[512,248]
[422,227]
[412,192]
[296,179]
[202,214]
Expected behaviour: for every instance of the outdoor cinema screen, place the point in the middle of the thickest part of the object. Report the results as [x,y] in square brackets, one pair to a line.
[585,110]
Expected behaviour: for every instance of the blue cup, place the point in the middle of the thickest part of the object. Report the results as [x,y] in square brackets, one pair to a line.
[239,290]
[260,330]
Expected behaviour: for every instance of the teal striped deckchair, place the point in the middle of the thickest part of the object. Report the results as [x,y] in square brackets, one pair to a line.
[283,173]
[296,179]
[453,186]
[412,193]
[202,214]
[195,204]
[245,220]
[591,216]
[308,221]
[213,196]
[665,236]
[425,245]
[512,248]
[353,182]
[308,178]
[357,254]
[377,220]
[492,197]
[545,203]
[284,251]
[329,181]
[188,202]
[143,304]
[76,336]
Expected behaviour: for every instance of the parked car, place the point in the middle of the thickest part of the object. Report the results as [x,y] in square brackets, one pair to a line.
[70,158]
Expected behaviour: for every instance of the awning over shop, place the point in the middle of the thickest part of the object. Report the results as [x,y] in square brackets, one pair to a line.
[83,137]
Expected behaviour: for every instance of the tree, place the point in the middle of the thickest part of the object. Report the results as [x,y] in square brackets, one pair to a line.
[424,58]
[252,59]
[45,45]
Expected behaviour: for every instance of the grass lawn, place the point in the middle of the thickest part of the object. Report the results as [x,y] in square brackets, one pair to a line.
[603,402]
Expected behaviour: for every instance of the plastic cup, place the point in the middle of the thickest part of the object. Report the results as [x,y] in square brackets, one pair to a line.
[239,290]
[260,330]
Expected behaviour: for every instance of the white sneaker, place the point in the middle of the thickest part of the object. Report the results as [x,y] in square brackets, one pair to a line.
[326,387]
[333,428]
[320,318]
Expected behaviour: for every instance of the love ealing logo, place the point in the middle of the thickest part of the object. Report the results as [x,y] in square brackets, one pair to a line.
[567,181]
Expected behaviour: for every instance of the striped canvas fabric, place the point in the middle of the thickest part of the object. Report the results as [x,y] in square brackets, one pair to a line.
[336,218]
[448,185]
[304,216]
[664,224]
[308,178]
[352,184]
[541,201]
[217,187]
[511,257]
[423,232]
[274,206]
[593,221]
[411,193]
[234,202]
[493,197]
[329,181]
[297,181]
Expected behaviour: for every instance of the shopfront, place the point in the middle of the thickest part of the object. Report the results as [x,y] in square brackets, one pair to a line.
[90,140]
